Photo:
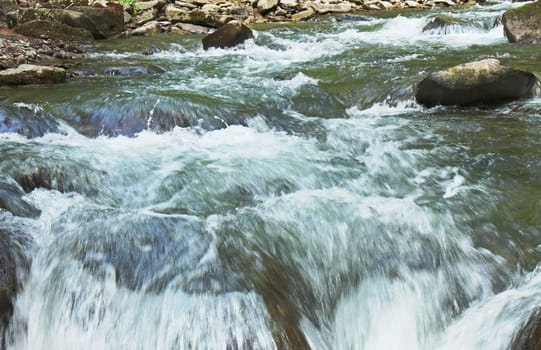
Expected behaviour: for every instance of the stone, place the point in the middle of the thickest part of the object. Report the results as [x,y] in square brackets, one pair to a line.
[484,82]
[411,4]
[333,8]
[529,335]
[523,24]
[193,28]
[289,4]
[175,14]
[149,28]
[229,35]
[78,20]
[265,6]
[146,16]
[210,9]
[303,15]
[11,199]
[30,74]
[14,265]
[147,5]
[443,22]
[26,120]
[53,30]
[109,20]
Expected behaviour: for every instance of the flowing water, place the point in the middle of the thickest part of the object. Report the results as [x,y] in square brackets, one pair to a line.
[304,199]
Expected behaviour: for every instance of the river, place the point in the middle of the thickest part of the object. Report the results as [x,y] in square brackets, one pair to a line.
[304,201]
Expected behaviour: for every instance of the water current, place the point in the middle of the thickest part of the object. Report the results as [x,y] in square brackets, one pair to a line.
[303,200]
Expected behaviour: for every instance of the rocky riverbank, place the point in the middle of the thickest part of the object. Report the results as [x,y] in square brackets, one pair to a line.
[58,34]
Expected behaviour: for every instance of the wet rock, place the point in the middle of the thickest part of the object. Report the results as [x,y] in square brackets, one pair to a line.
[528,336]
[26,120]
[11,199]
[139,70]
[229,35]
[30,74]
[443,23]
[53,30]
[146,16]
[108,20]
[523,24]
[483,82]
[14,264]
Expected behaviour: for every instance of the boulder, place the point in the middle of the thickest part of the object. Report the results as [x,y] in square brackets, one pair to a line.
[79,20]
[482,82]
[229,35]
[265,6]
[30,74]
[443,23]
[149,28]
[11,199]
[109,20]
[53,30]
[523,24]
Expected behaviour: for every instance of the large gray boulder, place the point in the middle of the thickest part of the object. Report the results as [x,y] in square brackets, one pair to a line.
[482,82]
[27,74]
[523,24]
[229,35]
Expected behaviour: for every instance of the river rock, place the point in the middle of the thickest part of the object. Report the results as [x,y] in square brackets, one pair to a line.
[108,20]
[523,24]
[528,336]
[265,6]
[30,74]
[342,7]
[11,199]
[53,30]
[149,28]
[482,82]
[14,264]
[303,15]
[443,22]
[229,35]
[26,120]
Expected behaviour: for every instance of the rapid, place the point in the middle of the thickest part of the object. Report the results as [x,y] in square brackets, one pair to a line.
[302,200]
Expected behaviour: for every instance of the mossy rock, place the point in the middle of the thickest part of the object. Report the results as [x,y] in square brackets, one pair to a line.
[523,24]
[442,22]
[484,82]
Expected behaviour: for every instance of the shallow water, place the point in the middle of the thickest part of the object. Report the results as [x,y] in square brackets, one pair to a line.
[303,200]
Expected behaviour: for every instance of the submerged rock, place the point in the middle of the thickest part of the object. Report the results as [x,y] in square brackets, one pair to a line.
[523,24]
[529,335]
[11,199]
[229,35]
[31,74]
[482,82]
[14,264]
[26,120]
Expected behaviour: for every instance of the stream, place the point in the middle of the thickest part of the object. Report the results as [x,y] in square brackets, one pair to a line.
[303,200]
